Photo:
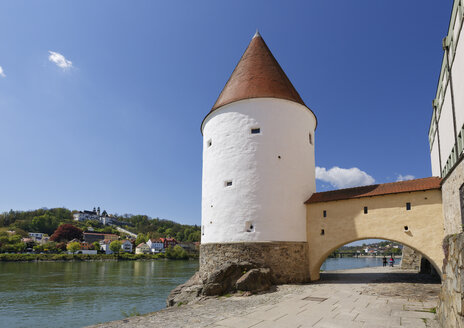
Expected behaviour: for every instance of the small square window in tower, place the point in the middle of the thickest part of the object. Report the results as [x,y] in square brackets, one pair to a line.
[228,183]
[255,131]
[249,226]
[322,232]
[408,206]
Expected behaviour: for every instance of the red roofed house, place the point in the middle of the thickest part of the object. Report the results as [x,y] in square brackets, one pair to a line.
[168,242]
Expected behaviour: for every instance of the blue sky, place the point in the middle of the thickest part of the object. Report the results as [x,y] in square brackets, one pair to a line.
[115,122]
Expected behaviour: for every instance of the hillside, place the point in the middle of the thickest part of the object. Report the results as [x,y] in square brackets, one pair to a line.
[47,220]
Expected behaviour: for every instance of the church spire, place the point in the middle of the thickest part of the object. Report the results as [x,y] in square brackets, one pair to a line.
[257,75]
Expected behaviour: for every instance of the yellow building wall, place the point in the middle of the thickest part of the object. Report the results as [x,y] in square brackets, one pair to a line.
[386,218]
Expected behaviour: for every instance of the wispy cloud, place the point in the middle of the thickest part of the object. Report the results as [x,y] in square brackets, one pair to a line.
[344,178]
[401,177]
[59,60]
[2,73]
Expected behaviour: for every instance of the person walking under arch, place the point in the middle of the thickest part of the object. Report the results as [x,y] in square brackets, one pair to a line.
[392,261]
[384,261]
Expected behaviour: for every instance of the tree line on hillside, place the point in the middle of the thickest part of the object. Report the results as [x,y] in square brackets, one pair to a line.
[156,228]
[41,220]
[48,220]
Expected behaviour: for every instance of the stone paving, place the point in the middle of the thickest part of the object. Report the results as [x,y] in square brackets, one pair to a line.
[367,298]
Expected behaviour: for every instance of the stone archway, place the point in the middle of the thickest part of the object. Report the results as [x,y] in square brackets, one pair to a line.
[316,265]
[413,219]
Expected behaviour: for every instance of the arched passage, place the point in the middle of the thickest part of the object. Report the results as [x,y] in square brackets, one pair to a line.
[413,219]
[318,263]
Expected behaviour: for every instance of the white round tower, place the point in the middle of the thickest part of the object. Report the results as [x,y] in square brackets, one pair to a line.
[258,170]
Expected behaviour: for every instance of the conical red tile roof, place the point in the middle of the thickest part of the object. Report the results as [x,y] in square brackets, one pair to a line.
[257,75]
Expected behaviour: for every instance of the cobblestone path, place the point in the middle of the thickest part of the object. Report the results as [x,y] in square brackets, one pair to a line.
[365,298]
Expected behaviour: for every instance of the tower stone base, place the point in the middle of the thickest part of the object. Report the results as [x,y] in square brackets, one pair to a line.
[288,261]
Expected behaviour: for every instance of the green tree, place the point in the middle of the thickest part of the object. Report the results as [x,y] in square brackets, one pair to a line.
[19,247]
[45,223]
[96,245]
[194,236]
[141,238]
[115,246]
[176,252]
[73,247]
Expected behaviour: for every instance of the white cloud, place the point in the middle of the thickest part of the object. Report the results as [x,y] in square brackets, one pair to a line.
[401,177]
[2,74]
[59,60]
[344,178]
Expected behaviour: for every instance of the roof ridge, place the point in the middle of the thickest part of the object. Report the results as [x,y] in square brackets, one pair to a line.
[377,184]
[420,184]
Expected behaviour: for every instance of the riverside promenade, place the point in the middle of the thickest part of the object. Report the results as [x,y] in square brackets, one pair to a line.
[359,298]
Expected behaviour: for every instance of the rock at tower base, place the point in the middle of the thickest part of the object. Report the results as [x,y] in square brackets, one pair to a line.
[243,266]
[288,261]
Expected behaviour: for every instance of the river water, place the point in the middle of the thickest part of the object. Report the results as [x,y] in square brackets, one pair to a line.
[77,294]
[352,263]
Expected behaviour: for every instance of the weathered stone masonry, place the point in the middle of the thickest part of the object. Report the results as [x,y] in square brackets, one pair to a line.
[288,261]
[450,309]
[450,306]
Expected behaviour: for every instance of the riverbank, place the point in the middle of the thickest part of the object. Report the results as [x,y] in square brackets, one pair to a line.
[86,257]
[367,297]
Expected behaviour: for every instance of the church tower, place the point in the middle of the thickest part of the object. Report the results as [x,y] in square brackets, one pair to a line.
[258,170]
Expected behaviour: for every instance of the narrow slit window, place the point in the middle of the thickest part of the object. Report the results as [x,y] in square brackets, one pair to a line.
[255,131]
[365,209]
[209,143]
[324,213]
[322,232]
[228,183]
[202,230]
[310,139]
[249,226]
[408,206]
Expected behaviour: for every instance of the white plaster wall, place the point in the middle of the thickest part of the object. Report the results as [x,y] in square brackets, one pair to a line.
[458,83]
[434,156]
[267,191]
[445,124]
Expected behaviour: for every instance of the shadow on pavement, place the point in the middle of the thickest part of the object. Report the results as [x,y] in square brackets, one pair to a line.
[362,278]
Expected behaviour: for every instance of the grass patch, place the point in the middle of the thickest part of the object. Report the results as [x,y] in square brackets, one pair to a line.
[131,313]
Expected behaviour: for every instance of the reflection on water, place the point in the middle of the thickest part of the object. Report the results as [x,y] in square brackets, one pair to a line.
[76,294]
[352,263]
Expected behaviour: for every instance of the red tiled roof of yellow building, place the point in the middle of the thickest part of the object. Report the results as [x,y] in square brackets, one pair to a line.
[376,190]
